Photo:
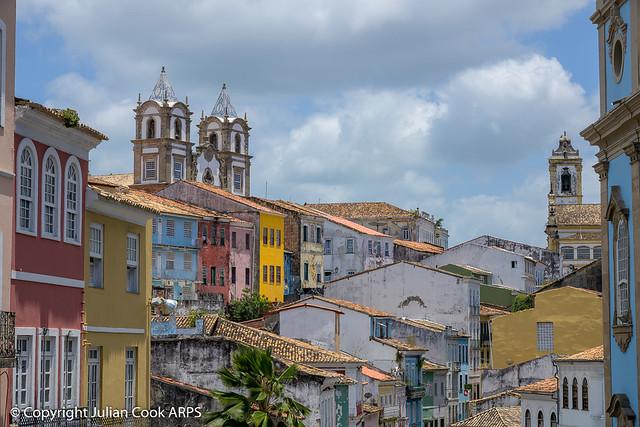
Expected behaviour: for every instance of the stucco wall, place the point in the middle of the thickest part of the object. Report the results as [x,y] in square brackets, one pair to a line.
[495,381]
[311,324]
[594,374]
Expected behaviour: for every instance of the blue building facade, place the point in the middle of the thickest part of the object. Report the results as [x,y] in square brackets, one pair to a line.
[415,389]
[617,135]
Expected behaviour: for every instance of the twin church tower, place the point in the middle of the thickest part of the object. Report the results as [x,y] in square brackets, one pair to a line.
[163,151]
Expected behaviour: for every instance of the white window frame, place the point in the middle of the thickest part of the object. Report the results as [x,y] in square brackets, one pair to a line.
[29,335]
[187,261]
[96,255]
[170,227]
[170,257]
[622,277]
[130,377]
[543,336]
[93,401]
[52,357]
[328,247]
[350,246]
[51,153]
[72,336]
[177,167]
[73,162]
[145,171]
[27,144]
[187,226]
[133,262]
[237,180]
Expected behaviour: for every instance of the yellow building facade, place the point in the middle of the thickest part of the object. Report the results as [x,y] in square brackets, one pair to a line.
[564,321]
[116,342]
[272,256]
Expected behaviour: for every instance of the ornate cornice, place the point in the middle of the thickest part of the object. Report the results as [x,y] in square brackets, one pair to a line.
[633,151]
[602,169]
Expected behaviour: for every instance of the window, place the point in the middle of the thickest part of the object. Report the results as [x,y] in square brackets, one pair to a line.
[386,249]
[278,274]
[378,249]
[238,142]
[318,273]
[565,181]
[150,170]
[527,419]
[306,271]
[177,169]
[405,233]
[567,252]
[545,336]
[69,358]
[132,262]
[95,255]
[265,236]
[151,128]
[370,247]
[271,236]
[178,129]
[154,226]
[213,140]
[622,272]
[188,229]
[50,219]
[318,235]
[237,180]
[204,274]
[327,247]
[221,236]
[574,394]
[93,383]
[27,188]
[585,395]
[554,420]
[514,264]
[597,252]
[584,252]
[272,274]
[233,239]
[327,276]
[349,246]
[214,235]
[350,273]
[265,274]
[23,372]
[170,260]
[233,275]
[171,228]
[130,378]
[247,241]
[188,261]
[247,276]
[46,375]
[305,231]
[540,419]
[73,204]
[565,393]
[214,276]
[278,238]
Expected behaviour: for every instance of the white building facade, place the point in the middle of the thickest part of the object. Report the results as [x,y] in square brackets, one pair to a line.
[581,386]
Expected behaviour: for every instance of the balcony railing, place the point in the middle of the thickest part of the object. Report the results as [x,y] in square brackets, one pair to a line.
[390,412]
[7,339]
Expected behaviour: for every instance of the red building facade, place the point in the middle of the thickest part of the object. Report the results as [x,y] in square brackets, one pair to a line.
[47,277]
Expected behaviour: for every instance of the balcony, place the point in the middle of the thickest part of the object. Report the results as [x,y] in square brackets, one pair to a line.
[415,392]
[7,339]
[391,412]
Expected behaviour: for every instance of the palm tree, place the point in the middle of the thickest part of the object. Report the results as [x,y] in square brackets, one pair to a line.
[265,404]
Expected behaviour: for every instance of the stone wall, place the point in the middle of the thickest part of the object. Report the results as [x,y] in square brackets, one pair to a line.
[496,381]
[166,395]
[587,277]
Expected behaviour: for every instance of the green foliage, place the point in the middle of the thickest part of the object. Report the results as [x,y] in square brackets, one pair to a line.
[71,118]
[195,315]
[522,302]
[265,403]
[249,306]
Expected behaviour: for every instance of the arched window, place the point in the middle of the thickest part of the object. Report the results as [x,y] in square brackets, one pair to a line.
[554,420]
[213,140]
[585,395]
[26,187]
[584,252]
[178,129]
[73,202]
[540,419]
[151,128]
[567,252]
[622,272]
[238,143]
[565,393]
[574,394]
[565,181]
[50,185]
[527,419]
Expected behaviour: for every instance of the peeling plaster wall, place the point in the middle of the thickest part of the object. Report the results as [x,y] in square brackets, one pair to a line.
[498,380]
[435,342]
[315,325]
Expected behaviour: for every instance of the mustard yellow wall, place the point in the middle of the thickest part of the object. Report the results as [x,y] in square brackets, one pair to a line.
[272,255]
[577,325]
[113,307]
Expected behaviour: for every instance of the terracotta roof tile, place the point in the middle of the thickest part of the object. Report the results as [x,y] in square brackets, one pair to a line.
[370,409]
[376,373]
[355,210]
[488,310]
[595,354]
[423,324]
[346,223]
[121,179]
[239,199]
[181,384]
[374,312]
[430,366]
[420,247]
[585,214]
[546,386]
[288,206]
[494,417]
[399,345]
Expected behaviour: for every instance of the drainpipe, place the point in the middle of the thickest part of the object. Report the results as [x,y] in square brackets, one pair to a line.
[556,370]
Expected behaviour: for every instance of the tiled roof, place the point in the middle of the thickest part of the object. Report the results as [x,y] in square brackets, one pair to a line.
[376,374]
[363,210]
[419,247]
[234,197]
[595,354]
[423,324]
[282,347]
[180,384]
[477,270]
[494,417]
[289,206]
[488,310]
[374,312]
[586,214]
[546,386]
[370,409]
[430,366]
[346,223]
[120,197]
[184,322]
[56,114]
[121,179]
[300,304]
[399,345]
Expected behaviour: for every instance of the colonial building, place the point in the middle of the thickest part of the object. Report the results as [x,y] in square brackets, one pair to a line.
[615,133]
[47,280]
[573,228]
[539,403]
[222,155]
[162,147]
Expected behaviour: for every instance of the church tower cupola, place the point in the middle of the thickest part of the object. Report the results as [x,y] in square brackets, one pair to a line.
[222,155]
[162,147]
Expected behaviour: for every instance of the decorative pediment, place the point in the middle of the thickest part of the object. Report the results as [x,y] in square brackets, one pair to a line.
[616,204]
[617,30]
[620,409]
[622,334]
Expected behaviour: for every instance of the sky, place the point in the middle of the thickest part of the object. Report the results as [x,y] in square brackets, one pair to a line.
[450,107]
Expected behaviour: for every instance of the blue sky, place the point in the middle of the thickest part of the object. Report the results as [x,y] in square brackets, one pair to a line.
[452,108]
